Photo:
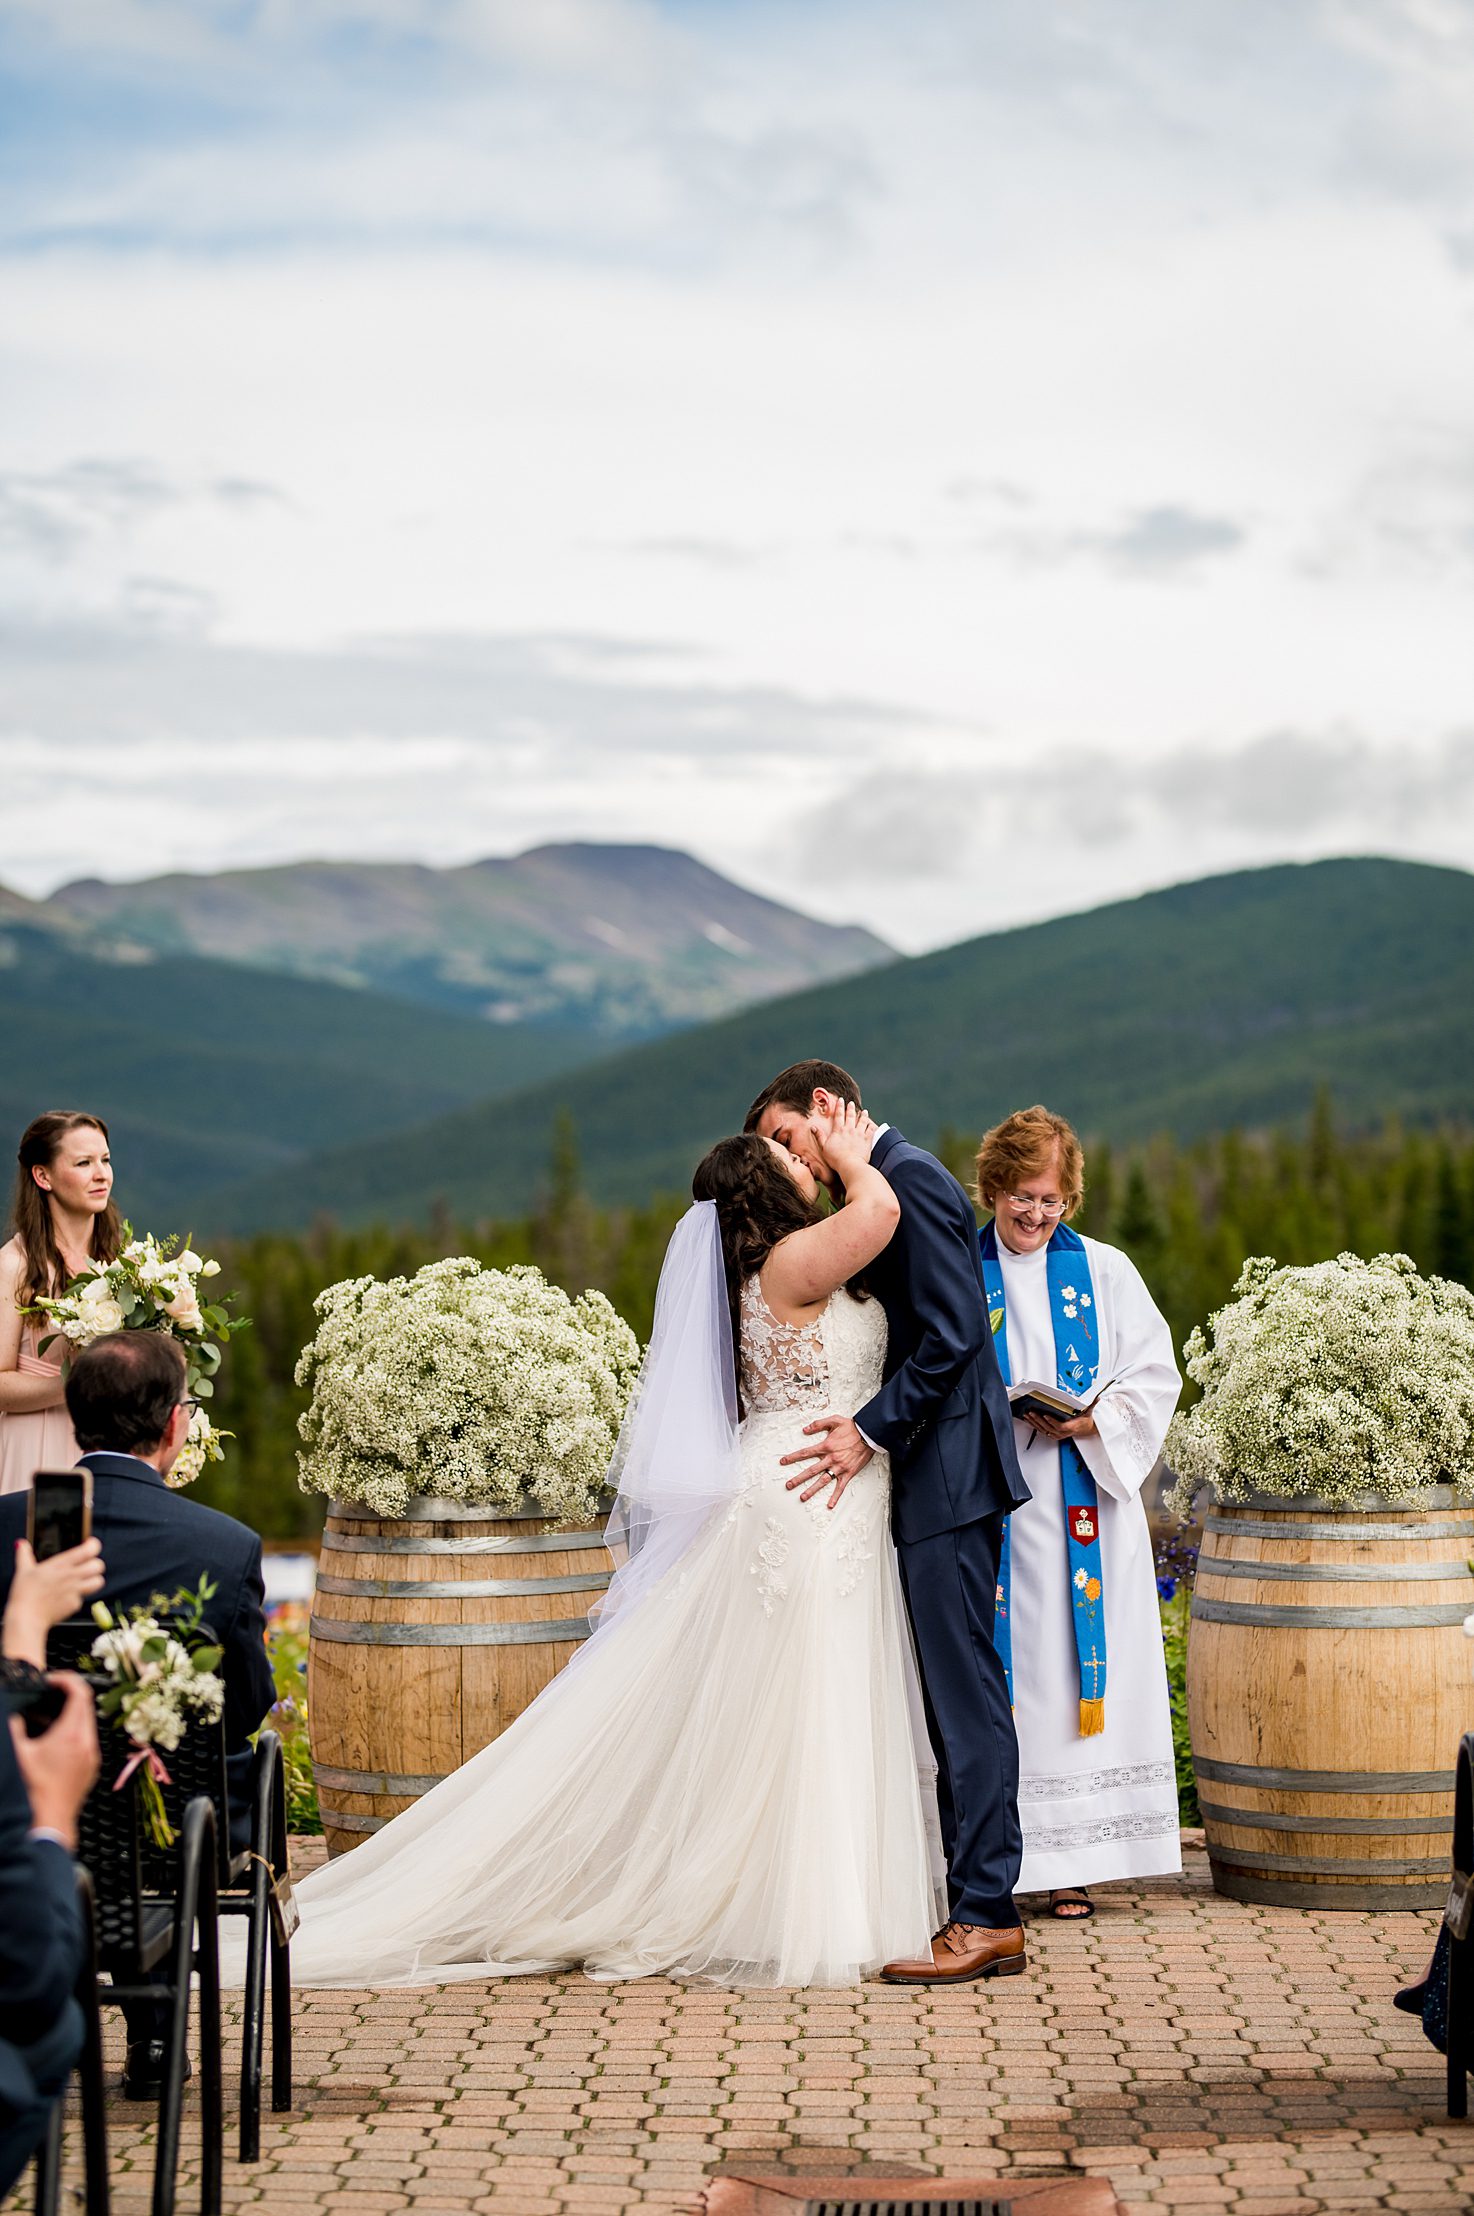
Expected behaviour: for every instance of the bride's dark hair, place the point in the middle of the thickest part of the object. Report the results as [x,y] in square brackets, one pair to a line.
[757,1204]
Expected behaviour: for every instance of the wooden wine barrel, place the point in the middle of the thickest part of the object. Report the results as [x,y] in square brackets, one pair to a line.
[430,1633]
[1328,1686]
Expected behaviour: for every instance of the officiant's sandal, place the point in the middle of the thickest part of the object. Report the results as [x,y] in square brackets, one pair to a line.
[962,1952]
[1071,1904]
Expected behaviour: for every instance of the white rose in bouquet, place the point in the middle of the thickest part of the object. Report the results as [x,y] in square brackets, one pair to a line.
[203,1443]
[98,1310]
[184,1309]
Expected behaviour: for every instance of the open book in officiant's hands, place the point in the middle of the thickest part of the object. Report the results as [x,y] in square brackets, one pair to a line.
[1055,1402]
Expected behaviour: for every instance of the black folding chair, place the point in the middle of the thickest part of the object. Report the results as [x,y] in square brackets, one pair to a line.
[90,2084]
[153,1944]
[153,1949]
[1458,1919]
[245,1883]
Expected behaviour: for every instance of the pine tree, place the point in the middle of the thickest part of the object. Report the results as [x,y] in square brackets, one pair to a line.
[1449,1245]
[1138,1226]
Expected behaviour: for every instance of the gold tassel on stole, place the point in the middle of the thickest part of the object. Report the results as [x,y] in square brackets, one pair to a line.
[1092,1718]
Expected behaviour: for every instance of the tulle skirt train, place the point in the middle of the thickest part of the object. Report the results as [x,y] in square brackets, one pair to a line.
[730,1782]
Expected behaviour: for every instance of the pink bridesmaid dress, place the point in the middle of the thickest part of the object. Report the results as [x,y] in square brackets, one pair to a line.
[34,1439]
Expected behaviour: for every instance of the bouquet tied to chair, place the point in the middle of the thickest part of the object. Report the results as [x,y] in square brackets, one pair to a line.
[160,1670]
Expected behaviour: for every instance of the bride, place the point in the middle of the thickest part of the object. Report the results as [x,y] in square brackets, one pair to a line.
[731,1780]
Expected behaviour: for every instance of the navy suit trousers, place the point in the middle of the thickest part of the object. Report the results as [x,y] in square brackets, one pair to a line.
[31,2079]
[951,1582]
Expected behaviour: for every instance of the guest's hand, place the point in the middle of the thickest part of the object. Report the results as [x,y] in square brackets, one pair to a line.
[46,1593]
[841,1454]
[61,1766]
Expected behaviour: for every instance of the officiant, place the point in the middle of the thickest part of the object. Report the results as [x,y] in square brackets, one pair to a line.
[1078,1625]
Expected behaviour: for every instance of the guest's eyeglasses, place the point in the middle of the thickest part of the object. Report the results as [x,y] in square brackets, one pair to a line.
[1024,1204]
[191,1404]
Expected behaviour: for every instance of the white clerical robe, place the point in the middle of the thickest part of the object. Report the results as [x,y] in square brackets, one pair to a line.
[1103,1807]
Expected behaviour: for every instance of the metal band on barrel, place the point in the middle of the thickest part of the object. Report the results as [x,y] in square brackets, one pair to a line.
[555,1631]
[1325,1781]
[337,1821]
[532,1542]
[433,1508]
[1330,1573]
[1351,1533]
[1326,1619]
[1365,1504]
[1268,1892]
[471,1588]
[375,1781]
[1259,1819]
[1238,1858]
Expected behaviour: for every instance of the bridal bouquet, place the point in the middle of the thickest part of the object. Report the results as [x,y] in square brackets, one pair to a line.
[151,1287]
[160,1677]
[1338,1379]
[478,1385]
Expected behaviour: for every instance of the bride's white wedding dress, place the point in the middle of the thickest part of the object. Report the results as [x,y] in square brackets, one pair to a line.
[730,1782]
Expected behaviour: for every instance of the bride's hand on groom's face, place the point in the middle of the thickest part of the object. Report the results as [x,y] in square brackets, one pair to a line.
[844,1136]
[838,1455]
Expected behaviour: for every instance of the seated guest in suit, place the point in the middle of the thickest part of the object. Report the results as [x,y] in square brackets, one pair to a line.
[126,1398]
[43,1783]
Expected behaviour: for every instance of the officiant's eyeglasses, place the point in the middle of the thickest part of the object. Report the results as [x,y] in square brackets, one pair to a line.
[1024,1204]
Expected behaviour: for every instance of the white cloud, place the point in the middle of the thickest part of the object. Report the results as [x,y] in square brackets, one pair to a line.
[897,416]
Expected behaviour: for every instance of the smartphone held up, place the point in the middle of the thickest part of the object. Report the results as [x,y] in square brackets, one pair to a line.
[60,1514]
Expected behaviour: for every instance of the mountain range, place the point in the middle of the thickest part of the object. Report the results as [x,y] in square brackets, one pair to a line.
[1226,1001]
[228,1027]
[621,941]
[241,1097]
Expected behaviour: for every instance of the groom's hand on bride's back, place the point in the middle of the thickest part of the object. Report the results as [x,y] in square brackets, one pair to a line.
[838,1455]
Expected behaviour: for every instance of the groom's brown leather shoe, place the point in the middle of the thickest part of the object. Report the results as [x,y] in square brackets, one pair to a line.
[962,1952]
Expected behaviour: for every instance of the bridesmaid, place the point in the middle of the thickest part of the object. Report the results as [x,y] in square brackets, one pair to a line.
[64,1221]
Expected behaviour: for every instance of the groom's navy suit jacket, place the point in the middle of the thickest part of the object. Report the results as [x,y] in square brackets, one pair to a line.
[942,1414]
[156,1541]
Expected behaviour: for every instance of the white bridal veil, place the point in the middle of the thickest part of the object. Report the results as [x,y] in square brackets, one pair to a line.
[676,1460]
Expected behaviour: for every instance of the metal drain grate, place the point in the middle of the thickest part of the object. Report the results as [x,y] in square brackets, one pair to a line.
[907,2208]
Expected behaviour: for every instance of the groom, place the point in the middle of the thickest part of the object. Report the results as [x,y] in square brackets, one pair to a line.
[942,1415]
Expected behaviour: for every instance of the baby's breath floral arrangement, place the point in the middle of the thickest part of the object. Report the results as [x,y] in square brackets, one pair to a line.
[476,1385]
[153,1285]
[1336,1379]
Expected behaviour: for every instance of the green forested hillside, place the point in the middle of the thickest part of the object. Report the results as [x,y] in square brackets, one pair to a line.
[208,1073]
[1225,1002]
[1187,1215]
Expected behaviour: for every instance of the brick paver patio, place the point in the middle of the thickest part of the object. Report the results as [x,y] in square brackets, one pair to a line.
[1199,2054]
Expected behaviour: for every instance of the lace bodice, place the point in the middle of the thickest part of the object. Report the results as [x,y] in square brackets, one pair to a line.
[834,1362]
[784,1365]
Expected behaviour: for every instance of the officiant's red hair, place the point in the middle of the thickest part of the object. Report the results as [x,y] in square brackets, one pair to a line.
[30,1209]
[1027,1144]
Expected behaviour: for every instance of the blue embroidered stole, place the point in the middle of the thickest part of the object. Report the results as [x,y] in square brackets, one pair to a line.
[1077,1360]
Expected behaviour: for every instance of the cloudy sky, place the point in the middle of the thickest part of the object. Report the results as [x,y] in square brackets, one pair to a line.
[943,463]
